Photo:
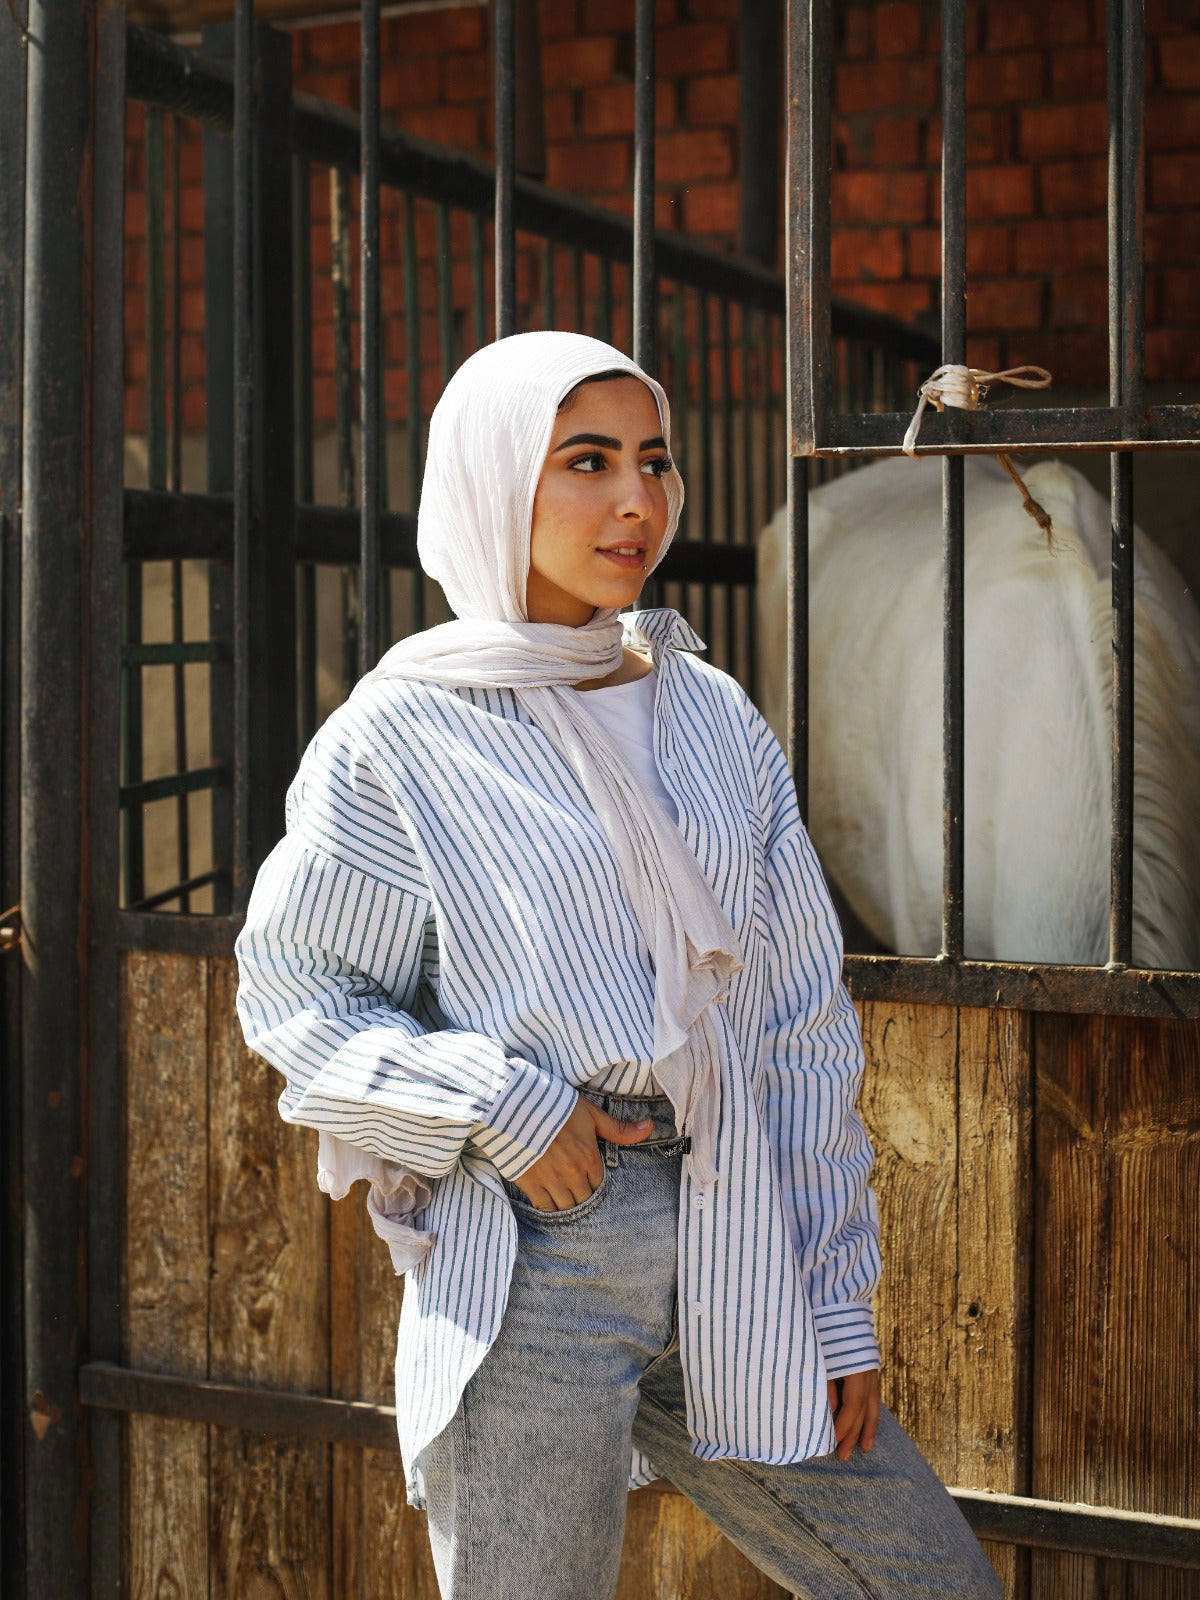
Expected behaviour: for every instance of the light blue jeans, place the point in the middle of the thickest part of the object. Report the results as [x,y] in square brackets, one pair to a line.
[526,1487]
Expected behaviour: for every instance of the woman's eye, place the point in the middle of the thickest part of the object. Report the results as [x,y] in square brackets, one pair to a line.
[657,466]
[592,462]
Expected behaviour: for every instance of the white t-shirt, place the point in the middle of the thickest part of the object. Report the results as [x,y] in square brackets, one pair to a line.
[627,712]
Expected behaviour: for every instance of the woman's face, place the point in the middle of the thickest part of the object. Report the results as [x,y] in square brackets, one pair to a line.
[600,511]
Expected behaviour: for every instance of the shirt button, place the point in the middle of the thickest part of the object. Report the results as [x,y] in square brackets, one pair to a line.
[721,999]
[699,1202]
[697,1305]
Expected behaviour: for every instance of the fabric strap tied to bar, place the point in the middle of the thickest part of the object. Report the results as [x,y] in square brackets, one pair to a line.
[964,388]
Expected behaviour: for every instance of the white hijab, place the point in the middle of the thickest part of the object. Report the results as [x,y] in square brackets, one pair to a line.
[488,439]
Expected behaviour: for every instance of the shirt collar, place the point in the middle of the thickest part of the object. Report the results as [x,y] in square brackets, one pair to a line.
[660,628]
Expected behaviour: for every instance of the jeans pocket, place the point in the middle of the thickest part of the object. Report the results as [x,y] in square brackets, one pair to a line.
[524,1207]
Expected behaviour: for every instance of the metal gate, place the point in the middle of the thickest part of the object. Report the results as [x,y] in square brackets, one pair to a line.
[75,795]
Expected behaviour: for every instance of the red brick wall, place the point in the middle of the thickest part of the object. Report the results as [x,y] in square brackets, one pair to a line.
[1036,186]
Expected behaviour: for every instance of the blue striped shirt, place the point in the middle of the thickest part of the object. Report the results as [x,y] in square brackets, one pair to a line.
[439,953]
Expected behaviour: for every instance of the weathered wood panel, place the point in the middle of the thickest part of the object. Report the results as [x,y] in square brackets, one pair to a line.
[164,1031]
[946,1098]
[1117,1376]
[269,1509]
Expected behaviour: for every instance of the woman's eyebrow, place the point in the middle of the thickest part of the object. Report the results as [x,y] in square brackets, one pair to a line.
[601,439]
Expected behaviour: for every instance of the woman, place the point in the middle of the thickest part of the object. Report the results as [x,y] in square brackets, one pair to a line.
[546,957]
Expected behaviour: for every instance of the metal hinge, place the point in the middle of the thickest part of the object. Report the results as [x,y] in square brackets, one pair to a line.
[10,929]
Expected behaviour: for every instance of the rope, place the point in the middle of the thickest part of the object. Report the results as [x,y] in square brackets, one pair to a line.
[965,388]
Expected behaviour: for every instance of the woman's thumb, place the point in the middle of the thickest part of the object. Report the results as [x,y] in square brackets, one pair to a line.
[621,1132]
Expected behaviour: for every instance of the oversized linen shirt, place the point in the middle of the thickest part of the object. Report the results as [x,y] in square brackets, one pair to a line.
[439,953]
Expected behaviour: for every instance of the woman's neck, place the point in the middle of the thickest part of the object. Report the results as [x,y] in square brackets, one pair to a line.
[633,666]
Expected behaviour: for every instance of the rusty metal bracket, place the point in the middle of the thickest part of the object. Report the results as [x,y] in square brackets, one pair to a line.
[10,929]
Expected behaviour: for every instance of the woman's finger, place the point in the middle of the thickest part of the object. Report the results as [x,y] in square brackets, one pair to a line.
[619,1132]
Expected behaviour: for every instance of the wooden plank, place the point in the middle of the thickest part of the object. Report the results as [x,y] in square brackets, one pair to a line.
[163,1038]
[995,1213]
[269,1321]
[910,1104]
[672,1549]
[1117,1348]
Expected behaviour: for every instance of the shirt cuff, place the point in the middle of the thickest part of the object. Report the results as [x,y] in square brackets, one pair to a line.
[846,1334]
[524,1118]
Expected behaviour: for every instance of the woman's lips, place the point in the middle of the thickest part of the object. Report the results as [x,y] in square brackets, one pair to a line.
[629,562]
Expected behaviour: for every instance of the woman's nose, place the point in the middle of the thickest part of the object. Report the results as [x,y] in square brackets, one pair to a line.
[636,500]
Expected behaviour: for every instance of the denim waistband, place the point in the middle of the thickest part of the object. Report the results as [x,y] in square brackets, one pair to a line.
[633,1107]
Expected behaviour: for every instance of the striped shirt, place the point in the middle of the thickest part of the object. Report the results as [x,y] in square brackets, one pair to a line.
[439,953]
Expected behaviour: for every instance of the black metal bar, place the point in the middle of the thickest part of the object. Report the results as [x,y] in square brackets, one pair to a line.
[243,433]
[505,114]
[56,517]
[168,931]
[175,483]
[156,300]
[176,653]
[727,469]
[797,625]
[412,379]
[954,349]
[1026,429]
[14,1424]
[445,292]
[306,576]
[176,783]
[217,41]
[760,81]
[101,718]
[131,730]
[370,337]
[1098,991]
[645,284]
[175,437]
[704,407]
[810,71]
[180,891]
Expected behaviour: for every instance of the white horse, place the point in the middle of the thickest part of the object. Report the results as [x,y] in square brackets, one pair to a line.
[1038,696]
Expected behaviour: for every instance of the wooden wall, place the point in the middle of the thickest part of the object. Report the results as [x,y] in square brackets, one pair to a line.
[1038,1181]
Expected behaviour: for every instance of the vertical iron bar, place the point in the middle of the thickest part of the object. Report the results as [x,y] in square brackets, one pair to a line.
[445,293]
[680,388]
[56,524]
[954,349]
[183,843]
[217,41]
[370,333]
[412,374]
[797,630]
[645,285]
[15,1433]
[748,520]
[810,70]
[704,405]
[548,313]
[505,244]
[727,483]
[175,442]
[478,288]
[156,301]
[343,380]
[243,426]
[760,80]
[306,573]
[101,719]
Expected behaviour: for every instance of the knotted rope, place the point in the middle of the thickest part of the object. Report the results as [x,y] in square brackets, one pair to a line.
[965,388]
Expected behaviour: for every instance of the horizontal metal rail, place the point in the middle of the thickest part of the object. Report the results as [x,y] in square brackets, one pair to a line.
[165,74]
[1010,1519]
[1019,428]
[147,790]
[1022,986]
[186,652]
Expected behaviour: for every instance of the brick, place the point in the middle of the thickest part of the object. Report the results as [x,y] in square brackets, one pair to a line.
[854,32]
[1014,23]
[896,141]
[429,33]
[692,157]
[611,16]
[711,100]
[1079,73]
[880,197]
[1173,122]
[339,88]
[1172,356]
[337,44]
[1000,80]
[607,109]
[985,354]
[689,49]
[999,192]
[1175,179]
[898,28]
[880,85]
[852,142]
[595,167]
[1079,302]
[712,10]
[1074,357]
[1172,238]
[1041,246]
[574,63]
[866,255]
[1005,303]
[710,208]
[468,76]
[1063,130]
[560,114]
[457,126]
[984,138]
[1180,63]
[904,300]
[1181,296]
[191,259]
[194,411]
[1073,186]
[404,84]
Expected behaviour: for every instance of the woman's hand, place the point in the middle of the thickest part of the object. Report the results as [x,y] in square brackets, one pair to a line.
[571,1167]
[854,1401]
